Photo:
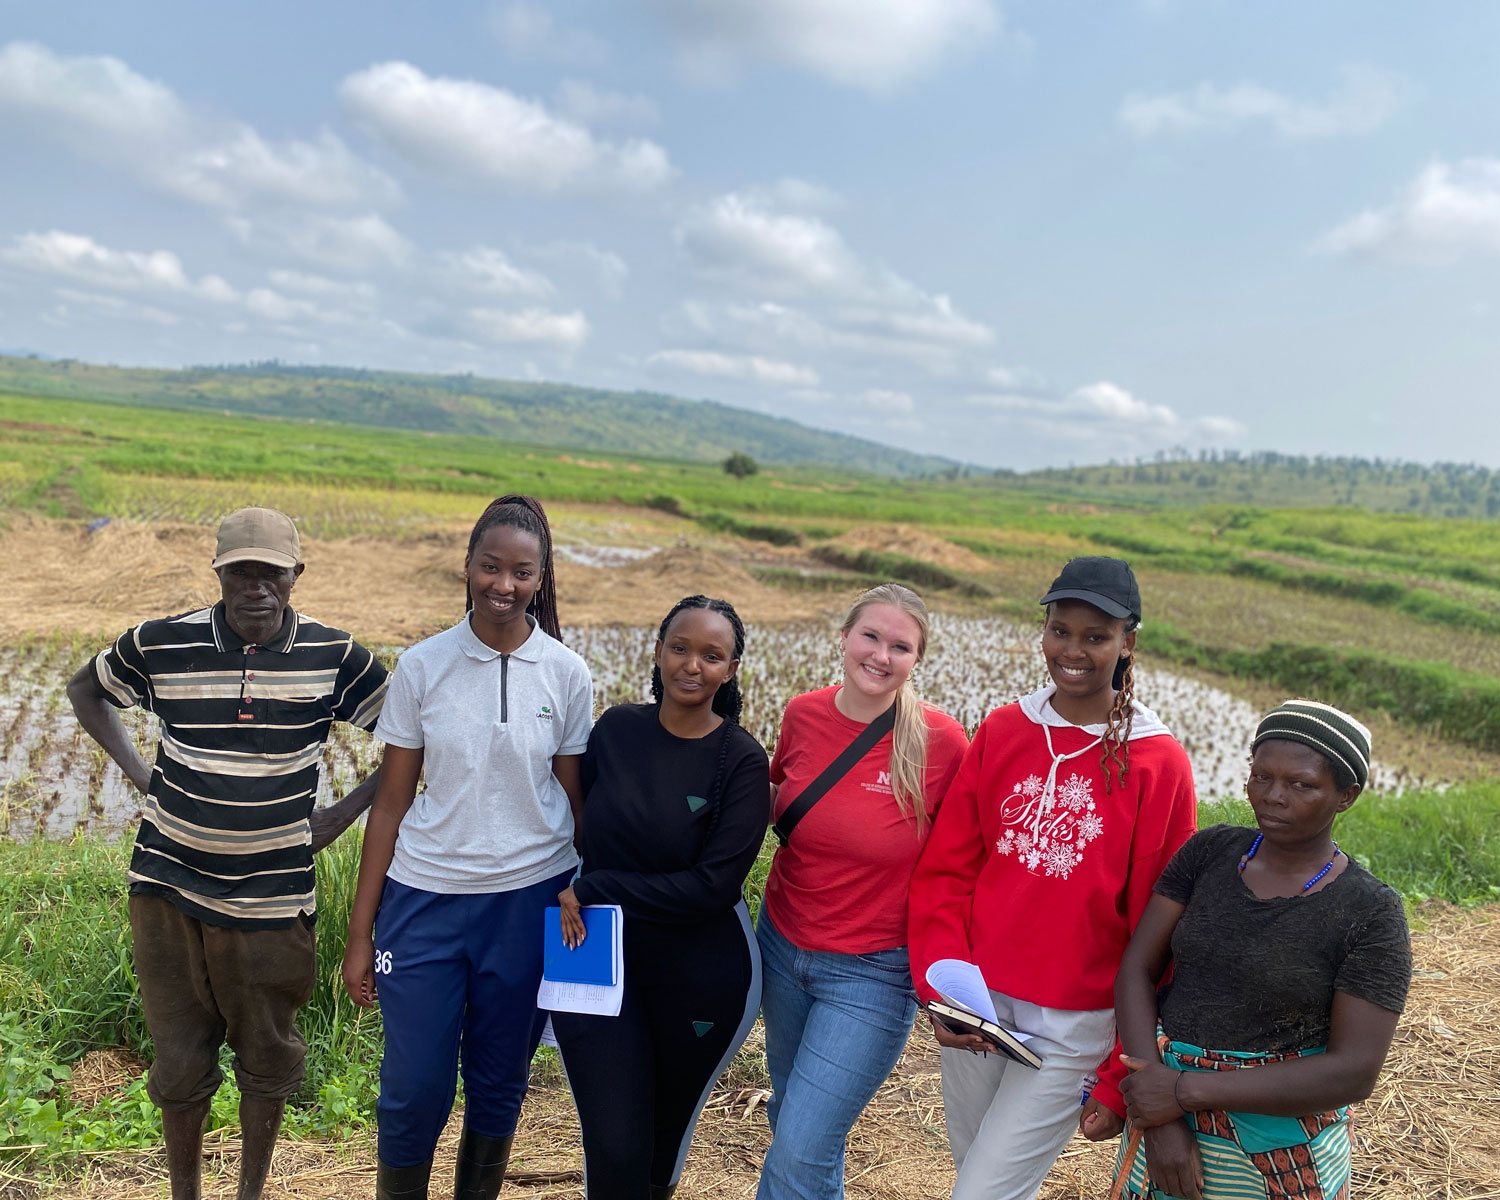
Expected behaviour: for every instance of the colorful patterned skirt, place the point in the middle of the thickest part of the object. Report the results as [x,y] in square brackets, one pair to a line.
[1250,1156]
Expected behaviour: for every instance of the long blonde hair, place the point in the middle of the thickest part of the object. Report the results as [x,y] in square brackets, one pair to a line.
[909,737]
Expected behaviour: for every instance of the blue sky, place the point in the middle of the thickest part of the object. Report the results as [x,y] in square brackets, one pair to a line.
[1019,234]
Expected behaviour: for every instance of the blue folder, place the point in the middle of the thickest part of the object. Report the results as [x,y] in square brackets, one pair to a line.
[593,961]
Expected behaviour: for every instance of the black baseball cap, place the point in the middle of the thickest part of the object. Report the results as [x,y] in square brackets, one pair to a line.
[1106,583]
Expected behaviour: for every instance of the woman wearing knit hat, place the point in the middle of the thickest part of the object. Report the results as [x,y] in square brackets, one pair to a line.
[1287,956]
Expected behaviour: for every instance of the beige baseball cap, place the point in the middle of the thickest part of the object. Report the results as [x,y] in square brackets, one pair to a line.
[258,535]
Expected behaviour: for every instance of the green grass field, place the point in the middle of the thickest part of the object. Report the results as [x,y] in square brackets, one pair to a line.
[66,985]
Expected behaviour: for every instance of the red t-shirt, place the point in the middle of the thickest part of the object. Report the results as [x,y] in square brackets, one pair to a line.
[841,883]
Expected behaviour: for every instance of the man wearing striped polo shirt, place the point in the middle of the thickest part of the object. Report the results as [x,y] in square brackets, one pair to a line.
[221,877]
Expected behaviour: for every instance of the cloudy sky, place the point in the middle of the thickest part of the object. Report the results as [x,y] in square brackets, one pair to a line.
[1020,233]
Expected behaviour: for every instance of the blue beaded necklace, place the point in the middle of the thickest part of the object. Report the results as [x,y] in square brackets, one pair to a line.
[1255,845]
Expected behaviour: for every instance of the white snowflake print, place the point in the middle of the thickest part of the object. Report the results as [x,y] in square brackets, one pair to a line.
[1061,860]
[1047,830]
[1076,793]
[1090,826]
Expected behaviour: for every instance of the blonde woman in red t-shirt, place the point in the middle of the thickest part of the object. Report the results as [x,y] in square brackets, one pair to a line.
[838,998]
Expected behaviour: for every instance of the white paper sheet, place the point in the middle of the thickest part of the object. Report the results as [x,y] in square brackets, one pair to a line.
[595,999]
[962,985]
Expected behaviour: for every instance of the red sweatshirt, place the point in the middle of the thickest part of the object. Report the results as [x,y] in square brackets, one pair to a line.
[1040,885]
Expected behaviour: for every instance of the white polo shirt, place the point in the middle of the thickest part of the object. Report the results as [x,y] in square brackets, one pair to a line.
[493,817]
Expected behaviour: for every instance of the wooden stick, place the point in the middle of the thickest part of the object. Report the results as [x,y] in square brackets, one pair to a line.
[1131,1147]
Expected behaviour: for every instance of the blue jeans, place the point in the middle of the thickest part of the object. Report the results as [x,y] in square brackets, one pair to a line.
[835,1026]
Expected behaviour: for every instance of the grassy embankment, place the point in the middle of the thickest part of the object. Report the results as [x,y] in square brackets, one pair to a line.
[66,986]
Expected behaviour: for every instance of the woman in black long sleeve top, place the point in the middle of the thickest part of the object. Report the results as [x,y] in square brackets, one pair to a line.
[674,815]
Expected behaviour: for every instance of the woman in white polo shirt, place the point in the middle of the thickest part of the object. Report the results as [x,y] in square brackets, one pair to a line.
[497,711]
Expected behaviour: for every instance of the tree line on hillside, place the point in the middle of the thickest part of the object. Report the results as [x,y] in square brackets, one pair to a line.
[1270,478]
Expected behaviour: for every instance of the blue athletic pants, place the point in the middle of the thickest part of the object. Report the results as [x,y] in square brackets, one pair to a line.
[457,977]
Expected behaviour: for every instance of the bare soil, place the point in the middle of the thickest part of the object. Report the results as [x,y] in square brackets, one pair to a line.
[1432,1128]
[389,591]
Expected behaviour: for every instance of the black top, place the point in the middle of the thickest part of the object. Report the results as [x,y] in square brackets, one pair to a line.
[651,843]
[1259,975]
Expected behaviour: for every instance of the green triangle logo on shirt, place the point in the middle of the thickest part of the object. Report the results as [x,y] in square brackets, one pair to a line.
[695,803]
[702,1027]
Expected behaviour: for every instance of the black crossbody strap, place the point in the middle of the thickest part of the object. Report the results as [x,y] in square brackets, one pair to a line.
[833,772]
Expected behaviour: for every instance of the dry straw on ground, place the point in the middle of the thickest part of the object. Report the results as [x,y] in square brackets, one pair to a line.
[63,579]
[910,542]
[1430,1131]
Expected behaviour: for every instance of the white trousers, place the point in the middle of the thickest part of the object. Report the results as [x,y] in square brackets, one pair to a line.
[1007,1123]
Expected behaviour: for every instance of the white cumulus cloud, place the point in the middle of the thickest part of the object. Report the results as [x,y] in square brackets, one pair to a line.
[80,99]
[871,44]
[810,286]
[78,257]
[484,133]
[749,367]
[1365,100]
[318,174]
[740,236]
[303,284]
[1098,413]
[485,269]
[354,244]
[1447,212]
[102,109]
[528,326]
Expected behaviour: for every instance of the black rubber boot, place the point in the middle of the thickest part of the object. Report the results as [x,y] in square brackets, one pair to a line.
[660,1192]
[480,1169]
[402,1183]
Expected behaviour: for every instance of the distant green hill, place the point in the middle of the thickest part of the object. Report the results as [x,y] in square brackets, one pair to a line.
[1266,479]
[545,414]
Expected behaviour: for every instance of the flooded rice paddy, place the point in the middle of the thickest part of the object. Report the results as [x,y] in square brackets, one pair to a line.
[56,782]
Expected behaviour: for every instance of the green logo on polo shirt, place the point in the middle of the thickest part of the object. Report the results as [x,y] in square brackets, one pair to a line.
[544,713]
[695,803]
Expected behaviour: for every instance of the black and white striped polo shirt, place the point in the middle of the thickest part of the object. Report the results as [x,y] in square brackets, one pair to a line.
[224,834]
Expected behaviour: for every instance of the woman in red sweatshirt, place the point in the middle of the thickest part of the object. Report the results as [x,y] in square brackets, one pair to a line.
[1067,806]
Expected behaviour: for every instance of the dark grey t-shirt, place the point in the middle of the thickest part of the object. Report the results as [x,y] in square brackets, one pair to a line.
[1259,975]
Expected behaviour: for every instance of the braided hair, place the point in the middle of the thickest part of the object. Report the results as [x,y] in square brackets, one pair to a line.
[524,513]
[727,701]
[1121,720]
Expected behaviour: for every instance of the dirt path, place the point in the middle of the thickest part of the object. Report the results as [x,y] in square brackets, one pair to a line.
[1432,1128]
